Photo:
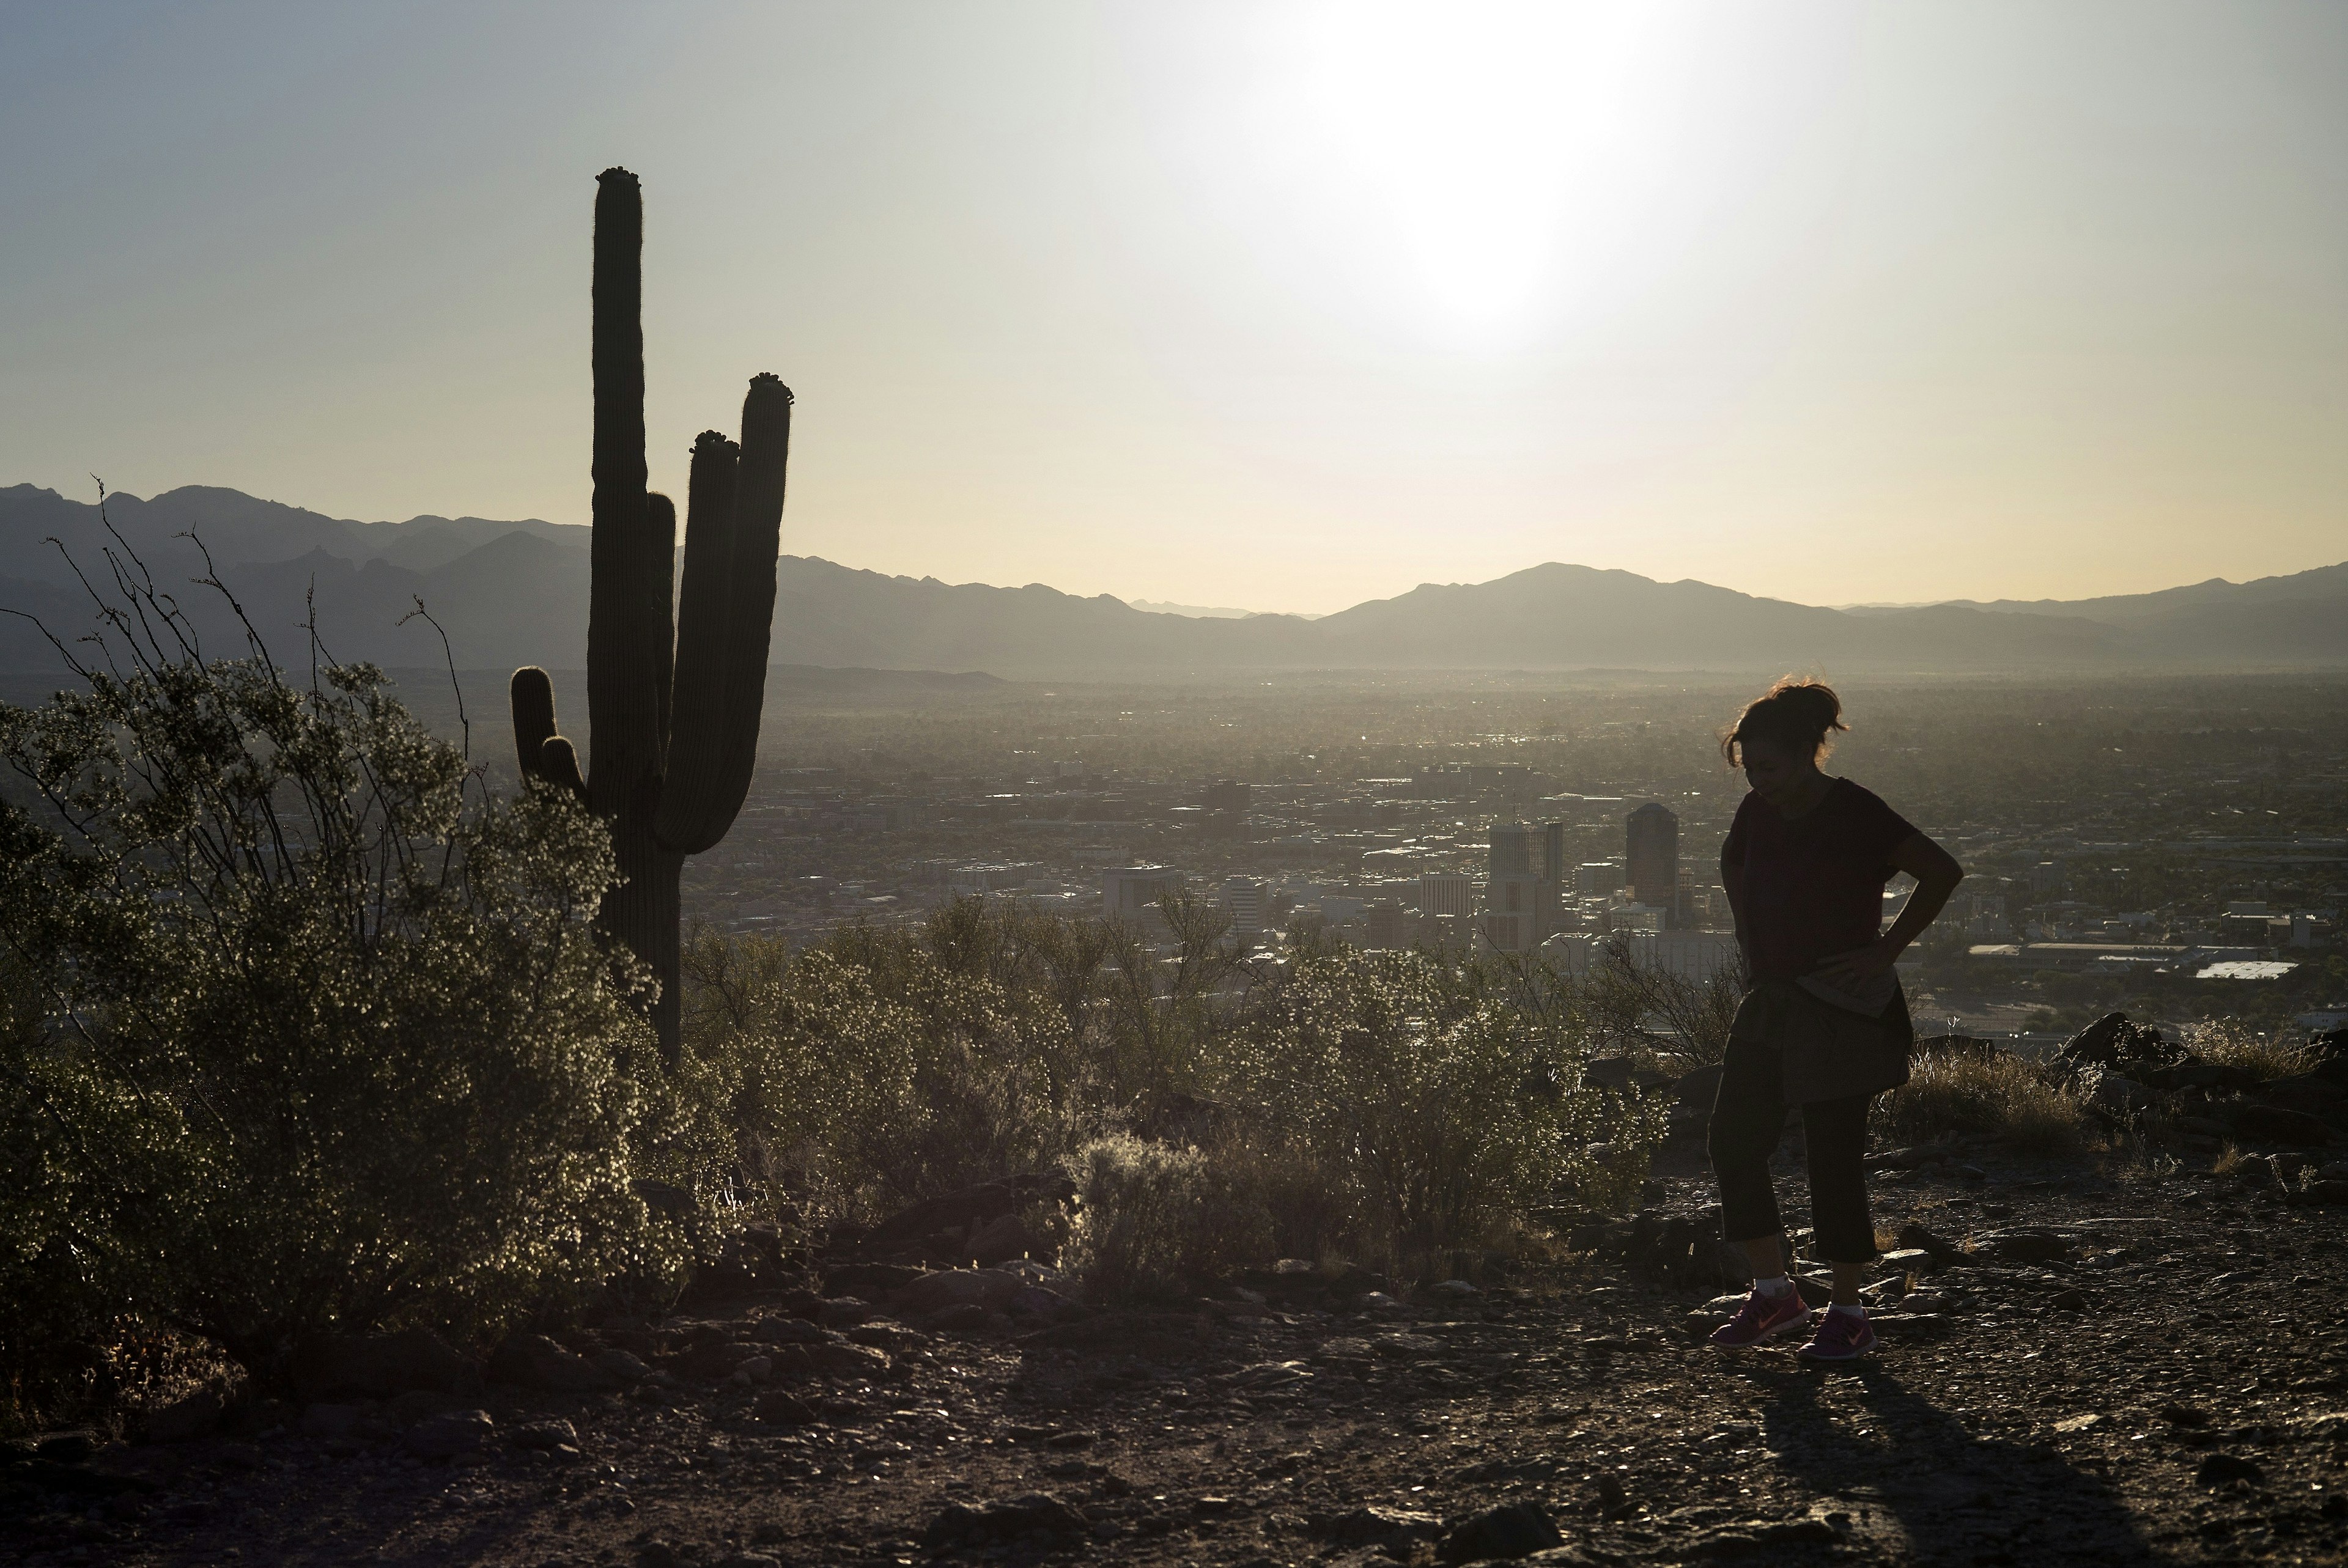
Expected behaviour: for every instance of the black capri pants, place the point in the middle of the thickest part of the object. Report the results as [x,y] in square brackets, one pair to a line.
[1748,1121]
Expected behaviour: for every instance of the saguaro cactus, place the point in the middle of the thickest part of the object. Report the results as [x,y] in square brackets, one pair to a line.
[673,694]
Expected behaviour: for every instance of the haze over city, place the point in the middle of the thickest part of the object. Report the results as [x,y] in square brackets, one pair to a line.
[1282,307]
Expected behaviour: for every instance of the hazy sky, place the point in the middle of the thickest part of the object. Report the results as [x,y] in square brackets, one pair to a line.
[1281,306]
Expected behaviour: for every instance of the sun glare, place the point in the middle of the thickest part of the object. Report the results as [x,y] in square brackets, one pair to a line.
[1482,161]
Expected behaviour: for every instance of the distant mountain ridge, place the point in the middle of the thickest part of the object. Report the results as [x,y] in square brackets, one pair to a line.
[511,593]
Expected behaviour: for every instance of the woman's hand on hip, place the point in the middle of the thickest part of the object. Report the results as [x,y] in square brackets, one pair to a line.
[1848,971]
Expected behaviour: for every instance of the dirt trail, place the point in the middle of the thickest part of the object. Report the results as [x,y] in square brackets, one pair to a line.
[2169,1384]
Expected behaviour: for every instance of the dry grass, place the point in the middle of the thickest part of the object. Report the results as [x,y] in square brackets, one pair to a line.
[2231,1045]
[2230,1159]
[2000,1094]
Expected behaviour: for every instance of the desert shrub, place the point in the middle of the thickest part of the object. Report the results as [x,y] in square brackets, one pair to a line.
[874,1068]
[1996,1092]
[2263,1057]
[1645,1010]
[1151,1215]
[310,1034]
[1368,1104]
[1415,1082]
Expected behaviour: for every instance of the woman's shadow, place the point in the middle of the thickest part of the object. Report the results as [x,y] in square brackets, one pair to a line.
[1908,1482]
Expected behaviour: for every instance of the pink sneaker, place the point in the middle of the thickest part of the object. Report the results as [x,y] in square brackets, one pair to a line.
[1841,1337]
[1761,1317]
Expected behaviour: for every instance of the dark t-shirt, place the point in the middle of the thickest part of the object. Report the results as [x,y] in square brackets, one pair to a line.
[1812,887]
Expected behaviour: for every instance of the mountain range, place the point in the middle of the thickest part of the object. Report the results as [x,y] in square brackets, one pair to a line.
[510,593]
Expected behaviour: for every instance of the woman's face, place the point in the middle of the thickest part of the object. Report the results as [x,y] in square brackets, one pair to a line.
[1777,774]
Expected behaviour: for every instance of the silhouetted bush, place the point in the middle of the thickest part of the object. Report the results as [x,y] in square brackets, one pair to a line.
[1386,1106]
[306,1034]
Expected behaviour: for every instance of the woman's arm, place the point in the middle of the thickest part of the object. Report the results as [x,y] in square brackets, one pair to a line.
[1732,881]
[1937,874]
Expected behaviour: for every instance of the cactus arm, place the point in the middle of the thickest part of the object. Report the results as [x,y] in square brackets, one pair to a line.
[687,823]
[533,696]
[557,764]
[758,542]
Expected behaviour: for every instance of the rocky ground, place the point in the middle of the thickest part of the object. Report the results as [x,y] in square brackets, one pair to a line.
[2133,1367]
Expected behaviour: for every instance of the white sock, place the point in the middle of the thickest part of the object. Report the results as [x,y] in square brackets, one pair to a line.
[1858,1310]
[1776,1284]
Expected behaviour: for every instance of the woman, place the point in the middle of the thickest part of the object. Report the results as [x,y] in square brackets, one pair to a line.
[1824,1025]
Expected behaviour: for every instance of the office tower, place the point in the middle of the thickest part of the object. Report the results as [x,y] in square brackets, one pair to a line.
[1389,925]
[1553,865]
[1511,854]
[1652,855]
[1449,893]
[1243,896]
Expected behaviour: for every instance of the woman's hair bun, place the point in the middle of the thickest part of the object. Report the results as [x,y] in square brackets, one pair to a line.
[1797,714]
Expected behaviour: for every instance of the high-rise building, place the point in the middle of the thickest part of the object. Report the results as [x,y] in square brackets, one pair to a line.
[1389,925]
[1243,898]
[1651,855]
[1553,865]
[1512,851]
[1597,879]
[1449,893]
[1131,892]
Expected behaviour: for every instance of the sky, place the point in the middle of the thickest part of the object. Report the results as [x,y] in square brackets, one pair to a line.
[1280,306]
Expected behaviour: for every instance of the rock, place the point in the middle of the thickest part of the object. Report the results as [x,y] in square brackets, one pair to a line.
[1511,1530]
[622,1367]
[2119,1095]
[1457,1289]
[1761,1538]
[2112,1041]
[1374,1525]
[968,1317]
[2225,1469]
[449,1435]
[749,1560]
[2324,1194]
[1266,1375]
[782,1331]
[324,1420]
[869,1281]
[2184,1415]
[2278,1124]
[798,1363]
[376,1366]
[713,1356]
[1911,1260]
[958,1524]
[845,1312]
[553,1433]
[1035,1301]
[990,1289]
[2022,1244]
[189,1417]
[1909,1159]
[1923,1301]
[756,1370]
[1006,1237]
[959,1210]
[1700,1087]
[784,1409]
[1914,1236]
[2072,1300]
[535,1361]
[887,1334]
